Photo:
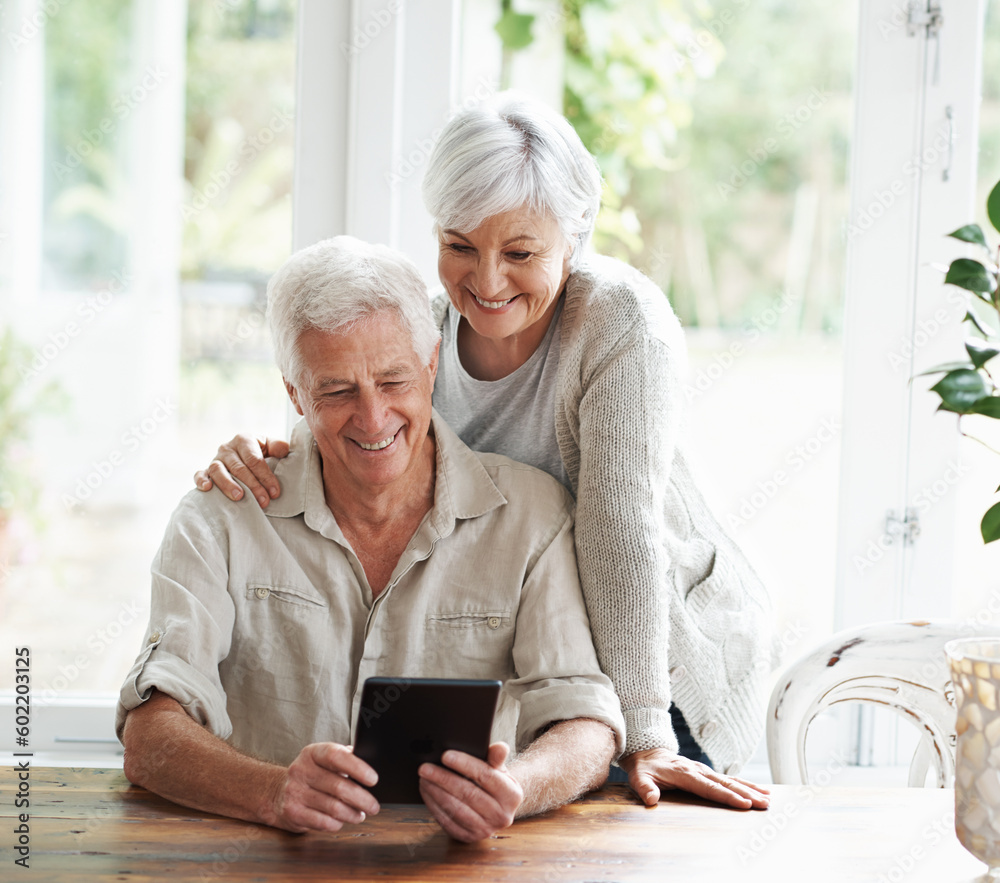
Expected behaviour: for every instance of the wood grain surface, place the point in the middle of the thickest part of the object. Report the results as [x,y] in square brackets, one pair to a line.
[91,824]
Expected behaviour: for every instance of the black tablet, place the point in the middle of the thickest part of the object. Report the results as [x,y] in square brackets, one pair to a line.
[404,722]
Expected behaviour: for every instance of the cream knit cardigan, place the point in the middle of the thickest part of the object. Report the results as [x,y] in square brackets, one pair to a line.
[676,611]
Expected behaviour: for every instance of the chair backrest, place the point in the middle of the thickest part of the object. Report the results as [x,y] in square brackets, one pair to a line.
[899,665]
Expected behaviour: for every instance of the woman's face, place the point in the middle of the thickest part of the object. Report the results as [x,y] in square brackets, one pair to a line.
[504,277]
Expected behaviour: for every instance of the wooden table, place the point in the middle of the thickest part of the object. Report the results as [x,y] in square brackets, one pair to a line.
[91,824]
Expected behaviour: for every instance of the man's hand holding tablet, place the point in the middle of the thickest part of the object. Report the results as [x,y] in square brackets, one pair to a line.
[471,798]
[322,790]
[428,739]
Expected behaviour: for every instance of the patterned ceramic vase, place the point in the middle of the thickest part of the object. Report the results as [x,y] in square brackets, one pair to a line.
[975,673]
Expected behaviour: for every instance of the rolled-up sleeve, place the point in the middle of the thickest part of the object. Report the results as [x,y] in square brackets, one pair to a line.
[557,674]
[190,624]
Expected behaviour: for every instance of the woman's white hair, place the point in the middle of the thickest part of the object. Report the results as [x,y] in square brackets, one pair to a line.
[508,153]
[341,281]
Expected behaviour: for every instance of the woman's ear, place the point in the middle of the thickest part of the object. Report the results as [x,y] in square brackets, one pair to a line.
[572,244]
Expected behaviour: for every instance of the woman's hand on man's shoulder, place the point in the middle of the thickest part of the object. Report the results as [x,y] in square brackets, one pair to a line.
[242,457]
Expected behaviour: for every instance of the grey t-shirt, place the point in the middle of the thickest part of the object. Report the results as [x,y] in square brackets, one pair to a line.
[513,416]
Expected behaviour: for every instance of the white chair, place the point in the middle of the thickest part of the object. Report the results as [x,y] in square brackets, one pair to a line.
[899,665]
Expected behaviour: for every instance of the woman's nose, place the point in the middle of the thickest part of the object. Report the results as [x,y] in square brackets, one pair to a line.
[489,281]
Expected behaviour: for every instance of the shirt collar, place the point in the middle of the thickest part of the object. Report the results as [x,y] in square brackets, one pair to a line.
[296,472]
[462,486]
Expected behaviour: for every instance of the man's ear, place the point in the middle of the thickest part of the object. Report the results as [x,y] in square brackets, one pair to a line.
[294,396]
[432,365]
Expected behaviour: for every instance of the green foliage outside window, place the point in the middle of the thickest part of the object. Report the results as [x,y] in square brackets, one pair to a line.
[690,109]
[239,100]
[239,125]
[86,72]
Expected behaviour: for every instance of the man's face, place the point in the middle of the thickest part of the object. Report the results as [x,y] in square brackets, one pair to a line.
[367,401]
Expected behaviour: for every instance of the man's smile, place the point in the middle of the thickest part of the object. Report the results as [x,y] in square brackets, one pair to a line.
[379,445]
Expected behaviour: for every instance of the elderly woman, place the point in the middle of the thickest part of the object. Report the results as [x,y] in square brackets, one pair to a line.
[573,363]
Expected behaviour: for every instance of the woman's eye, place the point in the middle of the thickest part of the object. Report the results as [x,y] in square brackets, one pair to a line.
[459,247]
[519,255]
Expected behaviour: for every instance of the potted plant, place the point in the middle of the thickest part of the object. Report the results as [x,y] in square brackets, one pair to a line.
[968,386]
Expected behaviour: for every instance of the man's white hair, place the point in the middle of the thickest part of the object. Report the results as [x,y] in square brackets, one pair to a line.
[508,153]
[338,282]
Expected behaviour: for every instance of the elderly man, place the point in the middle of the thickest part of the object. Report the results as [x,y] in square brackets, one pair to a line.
[394,550]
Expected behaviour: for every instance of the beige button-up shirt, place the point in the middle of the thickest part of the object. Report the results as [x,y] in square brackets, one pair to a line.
[263,625]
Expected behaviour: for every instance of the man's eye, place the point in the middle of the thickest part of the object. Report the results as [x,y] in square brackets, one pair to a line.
[459,247]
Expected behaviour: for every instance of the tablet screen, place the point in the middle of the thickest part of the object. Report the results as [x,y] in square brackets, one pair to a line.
[404,722]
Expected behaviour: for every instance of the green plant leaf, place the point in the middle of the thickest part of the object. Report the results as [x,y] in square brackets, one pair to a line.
[970,275]
[989,407]
[971,317]
[970,233]
[960,390]
[980,352]
[514,29]
[947,366]
[991,524]
[993,206]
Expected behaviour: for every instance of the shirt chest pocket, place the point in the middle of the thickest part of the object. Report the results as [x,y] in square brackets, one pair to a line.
[280,643]
[469,645]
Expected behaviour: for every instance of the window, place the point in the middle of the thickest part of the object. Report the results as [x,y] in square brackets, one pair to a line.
[147,184]
[146,200]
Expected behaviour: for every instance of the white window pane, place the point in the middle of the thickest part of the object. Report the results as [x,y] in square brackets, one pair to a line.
[166,193]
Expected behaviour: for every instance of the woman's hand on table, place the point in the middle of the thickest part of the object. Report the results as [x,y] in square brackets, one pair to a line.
[243,457]
[657,769]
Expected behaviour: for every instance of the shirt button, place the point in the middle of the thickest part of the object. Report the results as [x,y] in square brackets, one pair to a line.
[261,592]
[153,638]
[678,673]
[493,622]
[709,728]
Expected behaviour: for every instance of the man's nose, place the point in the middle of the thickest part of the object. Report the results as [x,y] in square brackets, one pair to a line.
[371,412]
